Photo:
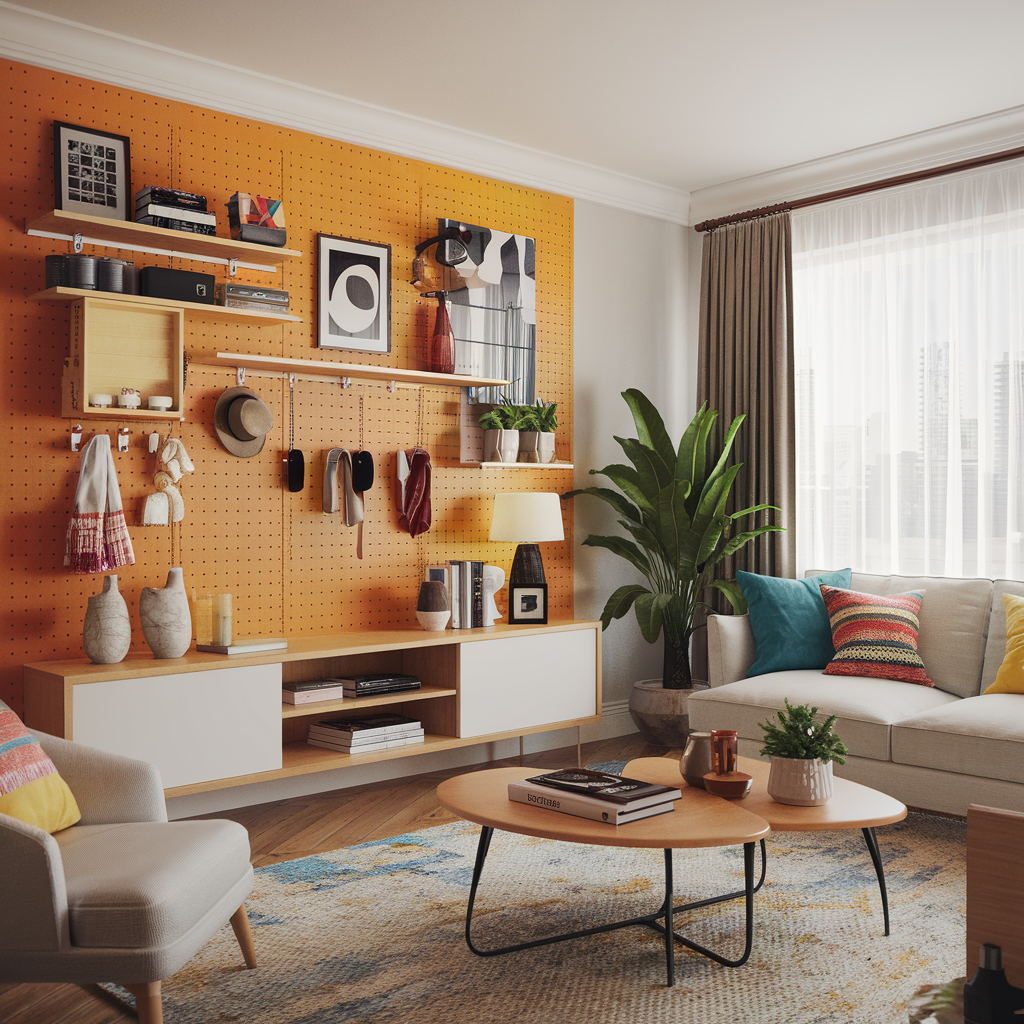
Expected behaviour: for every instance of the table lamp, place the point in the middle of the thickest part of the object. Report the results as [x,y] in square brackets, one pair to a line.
[528,519]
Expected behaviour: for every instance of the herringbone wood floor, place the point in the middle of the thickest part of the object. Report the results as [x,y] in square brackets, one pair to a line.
[287,829]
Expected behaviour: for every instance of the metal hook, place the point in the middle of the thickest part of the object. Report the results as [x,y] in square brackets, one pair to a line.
[76,437]
[76,241]
[241,375]
[233,266]
[346,382]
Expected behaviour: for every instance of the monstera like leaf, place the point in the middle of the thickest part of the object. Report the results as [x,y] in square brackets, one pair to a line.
[671,500]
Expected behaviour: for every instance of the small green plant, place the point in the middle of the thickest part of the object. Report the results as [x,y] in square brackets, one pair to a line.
[801,737]
[544,416]
[517,417]
[492,420]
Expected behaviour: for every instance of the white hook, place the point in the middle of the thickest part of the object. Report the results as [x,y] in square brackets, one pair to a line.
[241,375]
[76,241]
[233,266]
[346,382]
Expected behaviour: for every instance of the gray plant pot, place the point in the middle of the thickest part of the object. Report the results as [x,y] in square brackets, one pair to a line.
[661,715]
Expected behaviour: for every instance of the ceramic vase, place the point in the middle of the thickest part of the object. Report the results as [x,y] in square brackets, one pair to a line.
[695,761]
[166,623]
[660,715]
[545,447]
[107,632]
[501,445]
[528,446]
[802,782]
[442,343]
[432,608]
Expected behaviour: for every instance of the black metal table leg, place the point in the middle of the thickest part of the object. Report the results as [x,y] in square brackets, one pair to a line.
[670,950]
[876,859]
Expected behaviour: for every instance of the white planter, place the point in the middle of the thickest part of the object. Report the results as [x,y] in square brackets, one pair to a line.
[501,445]
[801,782]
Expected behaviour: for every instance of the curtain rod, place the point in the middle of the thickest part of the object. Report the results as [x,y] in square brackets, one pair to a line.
[856,190]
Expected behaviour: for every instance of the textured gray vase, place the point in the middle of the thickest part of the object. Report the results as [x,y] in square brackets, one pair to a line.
[107,632]
[166,623]
[661,715]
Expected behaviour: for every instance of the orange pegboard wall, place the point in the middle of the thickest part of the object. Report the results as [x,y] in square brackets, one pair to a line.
[291,569]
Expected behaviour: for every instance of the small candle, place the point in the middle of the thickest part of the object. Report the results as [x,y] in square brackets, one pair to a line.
[222,619]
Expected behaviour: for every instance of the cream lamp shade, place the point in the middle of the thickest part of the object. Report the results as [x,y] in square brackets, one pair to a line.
[527,518]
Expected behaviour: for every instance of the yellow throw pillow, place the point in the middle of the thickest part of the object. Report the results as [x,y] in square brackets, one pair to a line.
[31,789]
[1010,677]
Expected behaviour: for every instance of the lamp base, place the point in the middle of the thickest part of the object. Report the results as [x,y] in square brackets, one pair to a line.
[527,567]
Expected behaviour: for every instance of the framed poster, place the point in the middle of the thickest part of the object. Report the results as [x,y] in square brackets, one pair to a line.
[91,172]
[353,294]
[528,604]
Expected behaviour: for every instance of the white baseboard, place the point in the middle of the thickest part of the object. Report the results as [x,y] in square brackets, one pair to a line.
[615,721]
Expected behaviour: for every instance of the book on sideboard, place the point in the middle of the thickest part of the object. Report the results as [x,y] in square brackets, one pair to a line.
[312,690]
[584,807]
[382,725]
[246,646]
[362,748]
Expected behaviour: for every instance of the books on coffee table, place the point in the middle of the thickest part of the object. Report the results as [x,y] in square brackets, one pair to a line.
[584,806]
[604,786]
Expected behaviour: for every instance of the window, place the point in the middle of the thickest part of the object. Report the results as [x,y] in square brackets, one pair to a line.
[909,361]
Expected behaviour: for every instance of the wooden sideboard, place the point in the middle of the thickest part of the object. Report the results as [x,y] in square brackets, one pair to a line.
[211,721]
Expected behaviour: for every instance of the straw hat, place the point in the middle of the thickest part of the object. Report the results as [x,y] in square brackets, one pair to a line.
[242,419]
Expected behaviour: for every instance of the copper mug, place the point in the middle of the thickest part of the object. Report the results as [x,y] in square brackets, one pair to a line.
[723,751]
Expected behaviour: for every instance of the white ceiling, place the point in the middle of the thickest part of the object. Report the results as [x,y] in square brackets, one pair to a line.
[685,93]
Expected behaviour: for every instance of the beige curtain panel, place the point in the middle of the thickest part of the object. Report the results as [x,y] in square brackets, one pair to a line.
[745,365]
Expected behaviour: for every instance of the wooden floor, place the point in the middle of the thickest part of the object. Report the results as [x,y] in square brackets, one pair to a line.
[287,829]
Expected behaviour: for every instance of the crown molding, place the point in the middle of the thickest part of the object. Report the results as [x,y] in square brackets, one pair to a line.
[962,140]
[57,44]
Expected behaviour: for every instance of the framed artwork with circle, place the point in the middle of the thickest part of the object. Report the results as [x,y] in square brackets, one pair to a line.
[528,604]
[353,294]
[91,172]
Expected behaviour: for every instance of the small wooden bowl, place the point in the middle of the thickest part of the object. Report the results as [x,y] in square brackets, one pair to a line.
[732,785]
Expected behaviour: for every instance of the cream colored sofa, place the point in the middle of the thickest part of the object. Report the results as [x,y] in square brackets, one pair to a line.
[938,748]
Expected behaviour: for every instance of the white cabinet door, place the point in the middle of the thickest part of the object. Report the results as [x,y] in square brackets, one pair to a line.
[519,682]
[194,726]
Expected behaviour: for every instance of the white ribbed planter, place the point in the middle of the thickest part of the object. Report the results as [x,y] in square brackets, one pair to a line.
[801,782]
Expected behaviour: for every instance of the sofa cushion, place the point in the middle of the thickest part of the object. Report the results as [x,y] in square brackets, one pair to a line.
[1010,677]
[875,636]
[995,649]
[146,884]
[789,620]
[954,623]
[865,708]
[981,736]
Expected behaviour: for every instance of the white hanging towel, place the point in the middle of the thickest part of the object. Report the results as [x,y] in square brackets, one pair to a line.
[97,537]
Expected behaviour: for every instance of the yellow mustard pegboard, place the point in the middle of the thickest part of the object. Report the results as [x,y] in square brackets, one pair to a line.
[291,569]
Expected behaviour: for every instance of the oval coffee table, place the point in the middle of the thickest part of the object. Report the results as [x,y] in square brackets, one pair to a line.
[697,820]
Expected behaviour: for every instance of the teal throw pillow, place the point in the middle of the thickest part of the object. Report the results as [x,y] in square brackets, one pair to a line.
[789,620]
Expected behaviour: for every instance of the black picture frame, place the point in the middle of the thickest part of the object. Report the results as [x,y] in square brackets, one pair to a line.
[528,604]
[91,172]
[353,294]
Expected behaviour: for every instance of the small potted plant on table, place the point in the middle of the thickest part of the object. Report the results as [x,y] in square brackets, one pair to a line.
[802,751]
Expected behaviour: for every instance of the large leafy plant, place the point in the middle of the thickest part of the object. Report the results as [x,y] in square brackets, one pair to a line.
[672,501]
[799,736]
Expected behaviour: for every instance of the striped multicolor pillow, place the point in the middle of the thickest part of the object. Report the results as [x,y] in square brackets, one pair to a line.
[875,636]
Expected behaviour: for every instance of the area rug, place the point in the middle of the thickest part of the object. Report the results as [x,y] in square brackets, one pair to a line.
[375,933]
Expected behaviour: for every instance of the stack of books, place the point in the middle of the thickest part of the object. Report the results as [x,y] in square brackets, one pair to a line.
[170,208]
[377,683]
[599,796]
[362,735]
[309,691]
[464,582]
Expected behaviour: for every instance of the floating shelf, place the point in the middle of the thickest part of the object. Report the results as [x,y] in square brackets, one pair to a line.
[321,707]
[523,465]
[126,234]
[320,368]
[209,311]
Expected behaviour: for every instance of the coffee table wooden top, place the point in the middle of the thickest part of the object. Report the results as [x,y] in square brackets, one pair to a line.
[851,806]
[699,819]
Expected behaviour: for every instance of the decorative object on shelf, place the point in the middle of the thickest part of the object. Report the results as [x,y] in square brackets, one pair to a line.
[178,285]
[494,580]
[107,631]
[536,432]
[527,518]
[212,619]
[661,715]
[695,760]
[432,608]
[677,552]
[724,744]
[414,490]
[129,399]
[442,342]
[429,274]
[255,219]
[242,421]
[82,271]
[501,433]
[166,623]
[802,751]
[353,294]
[251,297]
[528,604]
[91,172]
[97,537]
[167,506]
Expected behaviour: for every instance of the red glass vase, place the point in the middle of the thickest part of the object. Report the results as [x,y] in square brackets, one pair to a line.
[441,357]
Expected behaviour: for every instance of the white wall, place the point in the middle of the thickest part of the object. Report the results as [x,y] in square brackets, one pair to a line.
[632,328]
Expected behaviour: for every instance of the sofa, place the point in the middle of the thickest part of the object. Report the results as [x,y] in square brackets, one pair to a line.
[935,748]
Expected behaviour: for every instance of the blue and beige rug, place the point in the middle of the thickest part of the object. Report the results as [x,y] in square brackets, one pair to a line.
[375,933]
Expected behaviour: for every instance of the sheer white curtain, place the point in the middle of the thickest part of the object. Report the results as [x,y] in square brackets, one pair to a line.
[909,358]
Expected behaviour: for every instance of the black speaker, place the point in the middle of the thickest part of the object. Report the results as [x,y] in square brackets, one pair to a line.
[182,285]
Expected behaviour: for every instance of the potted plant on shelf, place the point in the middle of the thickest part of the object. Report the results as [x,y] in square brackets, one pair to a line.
[672,503]
[537,436]
[802,751]
[501,433]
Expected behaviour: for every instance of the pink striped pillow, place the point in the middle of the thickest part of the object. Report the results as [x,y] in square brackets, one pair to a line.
[875,636]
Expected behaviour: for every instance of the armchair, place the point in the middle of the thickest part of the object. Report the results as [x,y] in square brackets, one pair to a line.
[124,895]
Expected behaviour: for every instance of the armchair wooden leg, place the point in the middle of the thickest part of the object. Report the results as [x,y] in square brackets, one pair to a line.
[240,923]
[148,1002]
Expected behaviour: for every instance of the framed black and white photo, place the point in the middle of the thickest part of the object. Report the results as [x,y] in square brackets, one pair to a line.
[353,294]
[528,604]
[91,172]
